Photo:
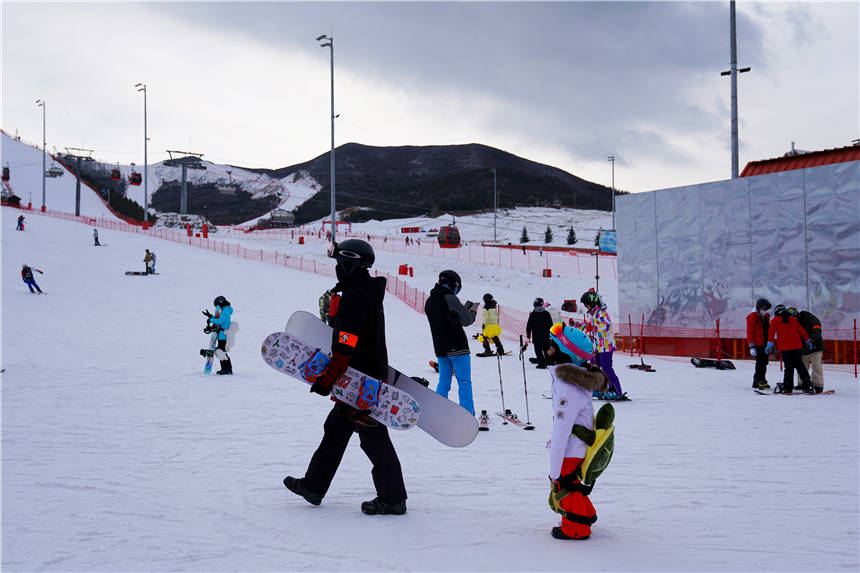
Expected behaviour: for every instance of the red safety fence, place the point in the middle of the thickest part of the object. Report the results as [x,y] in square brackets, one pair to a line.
[841,346]
[560,261]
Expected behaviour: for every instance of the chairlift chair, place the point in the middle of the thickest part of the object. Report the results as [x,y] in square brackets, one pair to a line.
[5,174]
[54,171]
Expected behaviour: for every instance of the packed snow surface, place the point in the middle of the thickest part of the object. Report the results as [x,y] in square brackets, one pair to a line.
[118,454]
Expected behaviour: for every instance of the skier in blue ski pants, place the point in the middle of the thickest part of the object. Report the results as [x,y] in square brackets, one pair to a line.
[461,364]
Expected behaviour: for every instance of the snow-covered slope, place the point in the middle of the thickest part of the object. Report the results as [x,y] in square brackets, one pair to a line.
[119,455]
[25,167]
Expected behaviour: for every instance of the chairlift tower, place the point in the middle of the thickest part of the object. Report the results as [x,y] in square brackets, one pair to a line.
[733,72]
[79,154]
[185,159]
[41,103]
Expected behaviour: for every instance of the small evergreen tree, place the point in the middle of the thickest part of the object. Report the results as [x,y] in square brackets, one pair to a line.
[571,236]
[547,235]
[524,238]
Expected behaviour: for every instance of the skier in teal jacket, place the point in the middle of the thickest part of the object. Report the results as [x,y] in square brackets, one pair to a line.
[221,319]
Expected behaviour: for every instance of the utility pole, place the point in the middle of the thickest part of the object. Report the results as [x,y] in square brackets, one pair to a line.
[612,161]
[41,103]
[495,203]
[142,88]
[733,72]
[329,43]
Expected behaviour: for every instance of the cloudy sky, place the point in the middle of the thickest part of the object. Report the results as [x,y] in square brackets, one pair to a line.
[561,83]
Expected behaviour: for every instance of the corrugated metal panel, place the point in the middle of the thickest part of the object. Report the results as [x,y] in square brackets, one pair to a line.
[802,161]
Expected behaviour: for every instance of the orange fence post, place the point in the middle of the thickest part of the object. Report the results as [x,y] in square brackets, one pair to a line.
[855,348]
[642,336]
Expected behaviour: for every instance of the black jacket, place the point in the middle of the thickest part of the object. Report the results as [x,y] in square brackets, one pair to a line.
[447,317]
[537,327]
[812,326]
[359,326]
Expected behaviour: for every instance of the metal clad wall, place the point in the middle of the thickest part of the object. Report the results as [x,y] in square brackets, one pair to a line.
[679,266]
[833,231]
[712,249]
[637,248]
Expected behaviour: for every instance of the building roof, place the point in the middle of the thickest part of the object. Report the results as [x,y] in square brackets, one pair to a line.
[802,160]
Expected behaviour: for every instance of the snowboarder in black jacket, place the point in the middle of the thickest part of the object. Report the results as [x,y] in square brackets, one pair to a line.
[358,341]
[447,317]
[537,331]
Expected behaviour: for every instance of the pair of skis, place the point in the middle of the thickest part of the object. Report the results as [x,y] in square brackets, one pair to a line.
[506,415]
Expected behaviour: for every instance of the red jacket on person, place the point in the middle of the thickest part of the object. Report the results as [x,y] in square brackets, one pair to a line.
[790,335]
[757,328]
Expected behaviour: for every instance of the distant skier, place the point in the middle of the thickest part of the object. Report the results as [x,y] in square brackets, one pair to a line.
[221,320]
[758,323]
[152,266]
[537,331]
[20,226]
[490,328]
[447,317]
[148,261]
[573,381]
[598,327]
[96,238]
[29,280]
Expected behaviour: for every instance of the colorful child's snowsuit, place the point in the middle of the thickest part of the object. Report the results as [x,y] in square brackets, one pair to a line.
[598,327]
[571,404]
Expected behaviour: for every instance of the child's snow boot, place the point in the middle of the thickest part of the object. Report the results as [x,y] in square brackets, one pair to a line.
[226,367]
[559,534]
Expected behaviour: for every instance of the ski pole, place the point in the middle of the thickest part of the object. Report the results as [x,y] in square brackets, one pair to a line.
[525,386]
[501,387]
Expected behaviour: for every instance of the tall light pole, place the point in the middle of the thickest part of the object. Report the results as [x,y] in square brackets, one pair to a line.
[612,161]
[41,104]
[495,203]
[328,42]
[142,88]
[733,72]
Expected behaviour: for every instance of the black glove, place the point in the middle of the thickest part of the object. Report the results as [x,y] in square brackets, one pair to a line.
[207,314]
[335,369]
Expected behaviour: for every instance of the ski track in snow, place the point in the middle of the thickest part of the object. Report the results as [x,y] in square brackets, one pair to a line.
[120,455]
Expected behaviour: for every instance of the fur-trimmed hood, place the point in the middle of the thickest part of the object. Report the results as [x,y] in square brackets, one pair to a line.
[588,376]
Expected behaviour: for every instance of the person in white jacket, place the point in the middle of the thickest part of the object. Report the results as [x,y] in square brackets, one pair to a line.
[573,380]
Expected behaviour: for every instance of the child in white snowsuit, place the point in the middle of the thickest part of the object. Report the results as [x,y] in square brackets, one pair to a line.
[573,380]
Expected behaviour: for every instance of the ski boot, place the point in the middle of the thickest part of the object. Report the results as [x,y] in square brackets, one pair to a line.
[806,389]
[760,385]
[226,367]
[780,388]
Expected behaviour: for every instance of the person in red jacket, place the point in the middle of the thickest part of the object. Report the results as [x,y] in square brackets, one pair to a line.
[791,338]
[758,323]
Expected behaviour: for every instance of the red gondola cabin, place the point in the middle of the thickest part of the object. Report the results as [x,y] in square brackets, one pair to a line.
[115,174]
[5,174]
[449,237]
[135,178]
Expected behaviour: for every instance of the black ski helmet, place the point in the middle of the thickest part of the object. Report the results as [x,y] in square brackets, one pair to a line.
[762,304]
[221,301]
[538,302]
[350,255]
[450,279]
[487,297]
[779,309]
[590,298]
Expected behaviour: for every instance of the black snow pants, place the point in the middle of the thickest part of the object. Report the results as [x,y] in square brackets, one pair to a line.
[541,346]
[376,444]
[760,364]
[793,360]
